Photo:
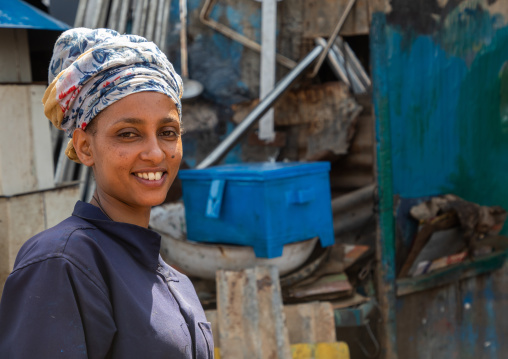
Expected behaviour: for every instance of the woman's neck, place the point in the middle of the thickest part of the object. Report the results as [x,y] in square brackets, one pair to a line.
[121,212]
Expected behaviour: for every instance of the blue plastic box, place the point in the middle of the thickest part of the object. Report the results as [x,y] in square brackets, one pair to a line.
[263,205]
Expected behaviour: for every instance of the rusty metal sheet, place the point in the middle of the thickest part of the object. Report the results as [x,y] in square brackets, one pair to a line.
[327,115]
[250,314]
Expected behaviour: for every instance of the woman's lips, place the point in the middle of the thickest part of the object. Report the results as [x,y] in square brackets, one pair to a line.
[151,178]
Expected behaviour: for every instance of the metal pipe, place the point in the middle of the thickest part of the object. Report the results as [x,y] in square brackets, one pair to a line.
[352,199]
[334,35]
[337,68]
[352,220]
[259,110]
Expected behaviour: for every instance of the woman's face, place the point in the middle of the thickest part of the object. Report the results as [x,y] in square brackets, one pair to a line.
[136,149]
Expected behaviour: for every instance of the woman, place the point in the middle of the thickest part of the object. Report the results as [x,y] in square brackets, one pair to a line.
[94,286]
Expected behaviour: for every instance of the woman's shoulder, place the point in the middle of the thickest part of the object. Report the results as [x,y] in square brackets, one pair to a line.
[54,242]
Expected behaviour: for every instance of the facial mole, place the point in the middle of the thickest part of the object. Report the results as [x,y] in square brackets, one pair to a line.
[173,156]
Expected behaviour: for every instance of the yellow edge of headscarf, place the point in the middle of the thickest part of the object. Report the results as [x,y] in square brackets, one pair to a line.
[55,114]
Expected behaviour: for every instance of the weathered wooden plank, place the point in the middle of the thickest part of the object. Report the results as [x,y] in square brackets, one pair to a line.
[15,56]
[26,162]
[16,141]
[250,314]
[321,16]
[310,322]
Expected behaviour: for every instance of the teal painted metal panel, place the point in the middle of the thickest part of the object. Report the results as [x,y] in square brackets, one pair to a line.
[18,14]
[440,76]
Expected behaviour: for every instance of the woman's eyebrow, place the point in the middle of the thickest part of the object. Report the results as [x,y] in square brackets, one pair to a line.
[169,120]
[138,121]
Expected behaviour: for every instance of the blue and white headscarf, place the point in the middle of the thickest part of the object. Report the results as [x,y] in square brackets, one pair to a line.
[91,69]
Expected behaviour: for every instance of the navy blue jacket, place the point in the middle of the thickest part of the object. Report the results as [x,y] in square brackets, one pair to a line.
[93,288]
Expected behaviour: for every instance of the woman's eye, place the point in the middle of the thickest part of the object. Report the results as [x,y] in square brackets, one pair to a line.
[127,134]
[168,133]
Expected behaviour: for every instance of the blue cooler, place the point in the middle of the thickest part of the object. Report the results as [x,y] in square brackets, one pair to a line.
[263,205]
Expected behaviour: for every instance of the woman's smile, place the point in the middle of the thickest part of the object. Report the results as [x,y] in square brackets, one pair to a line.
[135,149]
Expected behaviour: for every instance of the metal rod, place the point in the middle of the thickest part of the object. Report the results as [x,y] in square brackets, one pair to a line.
[158,25]
[259,110]
[80,13]
[337,67]
[331,40]
[268,65]
[353,60]
[122,20]
[352,220]
[165,23]
[114,13]
[150,22]
[354,198]
[183,38]
[352,73]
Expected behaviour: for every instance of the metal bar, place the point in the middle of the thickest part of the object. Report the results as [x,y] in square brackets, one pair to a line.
[337,66]
[122,20]
[103,13]
[353,60]
[150,22]
[352,220]
[268,64]
[137,17]
[159,24]
[114,14]
[144,16]
[260,110]
[245,41]
[60,164]
[332,38]
[353,198]
[356,84]
[80,13]
[183,38]
[165,23]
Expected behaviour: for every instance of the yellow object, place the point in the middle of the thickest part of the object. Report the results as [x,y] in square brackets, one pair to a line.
[336,350]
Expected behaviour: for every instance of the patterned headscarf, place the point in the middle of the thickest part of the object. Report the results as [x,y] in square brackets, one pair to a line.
[91,69]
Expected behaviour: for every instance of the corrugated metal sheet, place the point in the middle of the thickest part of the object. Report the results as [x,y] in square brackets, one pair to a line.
[18,14]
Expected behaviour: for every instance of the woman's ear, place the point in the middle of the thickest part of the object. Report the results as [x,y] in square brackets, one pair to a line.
[82,146]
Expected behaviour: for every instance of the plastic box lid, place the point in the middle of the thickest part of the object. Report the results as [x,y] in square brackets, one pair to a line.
[258,171]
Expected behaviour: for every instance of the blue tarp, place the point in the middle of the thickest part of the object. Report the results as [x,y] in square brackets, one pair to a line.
[19,14]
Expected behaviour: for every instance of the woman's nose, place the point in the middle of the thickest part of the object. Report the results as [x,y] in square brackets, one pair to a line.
[152,151]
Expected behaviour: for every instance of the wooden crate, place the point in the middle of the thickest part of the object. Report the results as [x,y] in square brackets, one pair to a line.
[23,216]
[26,162]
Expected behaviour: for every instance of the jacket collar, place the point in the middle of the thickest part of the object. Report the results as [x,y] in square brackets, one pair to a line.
[142,243]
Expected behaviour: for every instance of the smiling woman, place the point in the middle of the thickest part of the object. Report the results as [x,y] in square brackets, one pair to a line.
[95,286]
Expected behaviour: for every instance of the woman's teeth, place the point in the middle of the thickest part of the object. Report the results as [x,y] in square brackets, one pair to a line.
[151,176]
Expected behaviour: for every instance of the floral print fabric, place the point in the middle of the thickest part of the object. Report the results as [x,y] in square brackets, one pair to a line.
[91,69]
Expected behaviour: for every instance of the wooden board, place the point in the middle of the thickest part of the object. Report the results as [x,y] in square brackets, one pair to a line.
[250,314]
[26,163]
[15,56]
[321,17]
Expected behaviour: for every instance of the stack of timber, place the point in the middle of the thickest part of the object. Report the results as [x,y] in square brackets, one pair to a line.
[29,201]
